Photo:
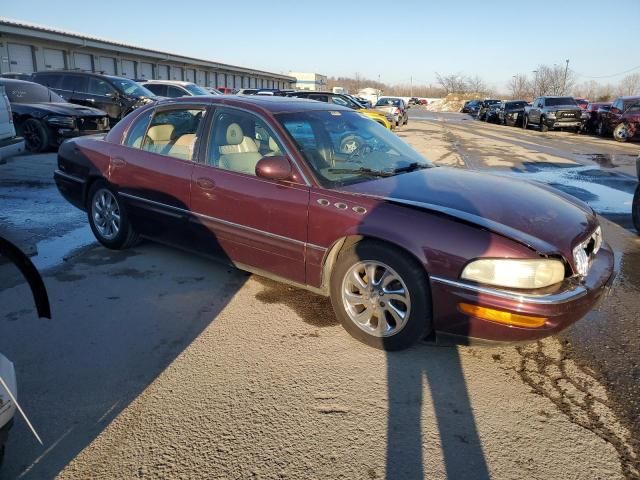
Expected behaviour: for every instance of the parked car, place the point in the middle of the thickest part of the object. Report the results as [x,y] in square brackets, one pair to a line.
[174,88]
[593,112]
[391,240]
[471,106]
[394,106]
[363,101]
[483,107]
[511,112]
[214,91]
[247,91]
[635,207]
[414,101]
[622,120]
[226,90]
[10,143]
[492,115]
[115,95]
[424,101]
[385,119]
[549,113]
[45,119]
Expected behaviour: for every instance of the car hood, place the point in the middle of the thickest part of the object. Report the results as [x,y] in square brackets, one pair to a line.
[536,215]
[67,109]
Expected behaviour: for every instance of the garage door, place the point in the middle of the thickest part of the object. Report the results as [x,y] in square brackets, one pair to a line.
[20,58]
[145,70]
[53,59]
[108,65]
[176,73]
[201,77]
[252,83]
[82,61]
[190,75]
[128,69]
[163,72]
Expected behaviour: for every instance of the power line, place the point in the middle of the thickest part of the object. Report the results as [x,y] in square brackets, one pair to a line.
[609,76]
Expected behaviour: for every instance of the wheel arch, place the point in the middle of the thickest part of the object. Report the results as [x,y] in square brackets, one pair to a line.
[333,253]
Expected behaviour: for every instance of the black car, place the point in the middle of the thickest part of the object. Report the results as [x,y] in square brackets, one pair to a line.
[635,207]
[115,95]
[45,119]
[511,112]
[471,106]
[483,108]
[493,113]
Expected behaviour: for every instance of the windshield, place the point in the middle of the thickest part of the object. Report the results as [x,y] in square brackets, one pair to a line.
[31,93]
[196,89]
[554,102]
[344,147]
[386,102]
[131,88]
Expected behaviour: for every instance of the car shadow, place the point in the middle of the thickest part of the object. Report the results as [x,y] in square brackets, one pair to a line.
[119,319]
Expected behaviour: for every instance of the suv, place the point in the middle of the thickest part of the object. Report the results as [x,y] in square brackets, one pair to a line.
[622,120]
[511,112]
[174,88]
[553,112]
[115,95]
[10,144]
[394,106]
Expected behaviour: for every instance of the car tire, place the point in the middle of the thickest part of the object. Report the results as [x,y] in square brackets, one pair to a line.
[36,135]
[621,132]
[109,219]
[635,209]
[349,284]
[543,126]
[406,121]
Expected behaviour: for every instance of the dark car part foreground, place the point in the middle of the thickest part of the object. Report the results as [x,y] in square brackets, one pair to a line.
[45,119]
[115,95]
[403,249]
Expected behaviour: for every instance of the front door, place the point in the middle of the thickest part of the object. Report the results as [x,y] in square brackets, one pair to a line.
[152,171]
[256,222]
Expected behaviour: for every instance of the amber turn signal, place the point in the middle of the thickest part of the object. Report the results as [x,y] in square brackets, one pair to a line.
[500,316]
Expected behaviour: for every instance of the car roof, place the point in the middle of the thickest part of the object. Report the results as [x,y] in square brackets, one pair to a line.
[272,104]
[9,81]
[168,82]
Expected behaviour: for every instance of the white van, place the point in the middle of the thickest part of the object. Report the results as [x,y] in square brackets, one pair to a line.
[10,144]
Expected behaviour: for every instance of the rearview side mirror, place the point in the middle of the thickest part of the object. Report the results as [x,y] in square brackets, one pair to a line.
[277,167]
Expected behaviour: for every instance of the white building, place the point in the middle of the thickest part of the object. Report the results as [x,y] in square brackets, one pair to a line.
[309,81]
[26,47]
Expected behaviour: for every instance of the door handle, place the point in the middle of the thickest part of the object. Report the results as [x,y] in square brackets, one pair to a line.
[206,183]
[118,162]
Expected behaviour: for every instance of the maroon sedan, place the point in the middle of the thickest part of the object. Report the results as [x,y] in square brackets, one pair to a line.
[320,197]
[622,120]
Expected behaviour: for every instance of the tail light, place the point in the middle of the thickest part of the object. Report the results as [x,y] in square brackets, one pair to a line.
[6,101]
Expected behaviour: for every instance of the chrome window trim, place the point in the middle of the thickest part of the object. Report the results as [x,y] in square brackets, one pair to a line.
[220,220]
[572,293]
[216,106]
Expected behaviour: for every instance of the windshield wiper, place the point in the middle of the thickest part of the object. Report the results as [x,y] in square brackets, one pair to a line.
[411,167]
[363,171]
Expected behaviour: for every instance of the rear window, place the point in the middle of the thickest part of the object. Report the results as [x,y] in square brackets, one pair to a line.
[28,92]
[513,105]
[559,101]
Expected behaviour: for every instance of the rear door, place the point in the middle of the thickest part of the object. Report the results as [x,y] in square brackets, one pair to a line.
[101,94]
[255,222]
[152,170]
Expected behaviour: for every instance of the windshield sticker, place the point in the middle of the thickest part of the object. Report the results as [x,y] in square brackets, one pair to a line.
[334,113]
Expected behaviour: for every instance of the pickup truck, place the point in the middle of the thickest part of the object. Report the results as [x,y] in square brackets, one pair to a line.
[549,113]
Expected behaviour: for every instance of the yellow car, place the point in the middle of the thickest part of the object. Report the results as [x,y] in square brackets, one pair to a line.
[377,117]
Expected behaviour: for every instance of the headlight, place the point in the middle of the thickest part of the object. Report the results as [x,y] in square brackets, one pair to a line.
[62,121]
[551,114]
[514,273]
[585,115]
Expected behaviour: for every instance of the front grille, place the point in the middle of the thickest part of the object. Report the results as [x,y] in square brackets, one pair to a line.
[567,114]
[91,123]
[584,252]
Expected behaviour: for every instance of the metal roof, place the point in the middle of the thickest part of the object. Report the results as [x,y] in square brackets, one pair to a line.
[13,26]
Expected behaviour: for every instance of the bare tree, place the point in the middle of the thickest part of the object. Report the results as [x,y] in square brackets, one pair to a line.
[630,85]
[520,87]
[553,80]
[453,83]
[476,85]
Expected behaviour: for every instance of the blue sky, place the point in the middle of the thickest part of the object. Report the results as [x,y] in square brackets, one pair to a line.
[394,39]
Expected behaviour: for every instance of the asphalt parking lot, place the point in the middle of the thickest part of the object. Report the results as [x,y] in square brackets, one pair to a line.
[159,364]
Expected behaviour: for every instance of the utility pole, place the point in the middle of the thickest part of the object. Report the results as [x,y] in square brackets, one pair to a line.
[535,84]
[564,85]
[411,85]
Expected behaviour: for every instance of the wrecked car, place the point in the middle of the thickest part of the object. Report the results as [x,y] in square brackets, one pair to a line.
[622,120]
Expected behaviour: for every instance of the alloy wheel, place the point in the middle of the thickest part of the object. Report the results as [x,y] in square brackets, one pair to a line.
[376,298]
[105,212]
[32,136]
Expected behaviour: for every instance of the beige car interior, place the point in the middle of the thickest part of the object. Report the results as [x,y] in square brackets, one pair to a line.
[160,139]
[240,154]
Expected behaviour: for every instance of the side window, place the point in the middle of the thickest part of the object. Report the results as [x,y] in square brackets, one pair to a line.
[137,131]
[340,101]
[157,88]
[48,80]
[74,83]
[99,87]
[173,132]
[239,140]
[320,98]
[175,92]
